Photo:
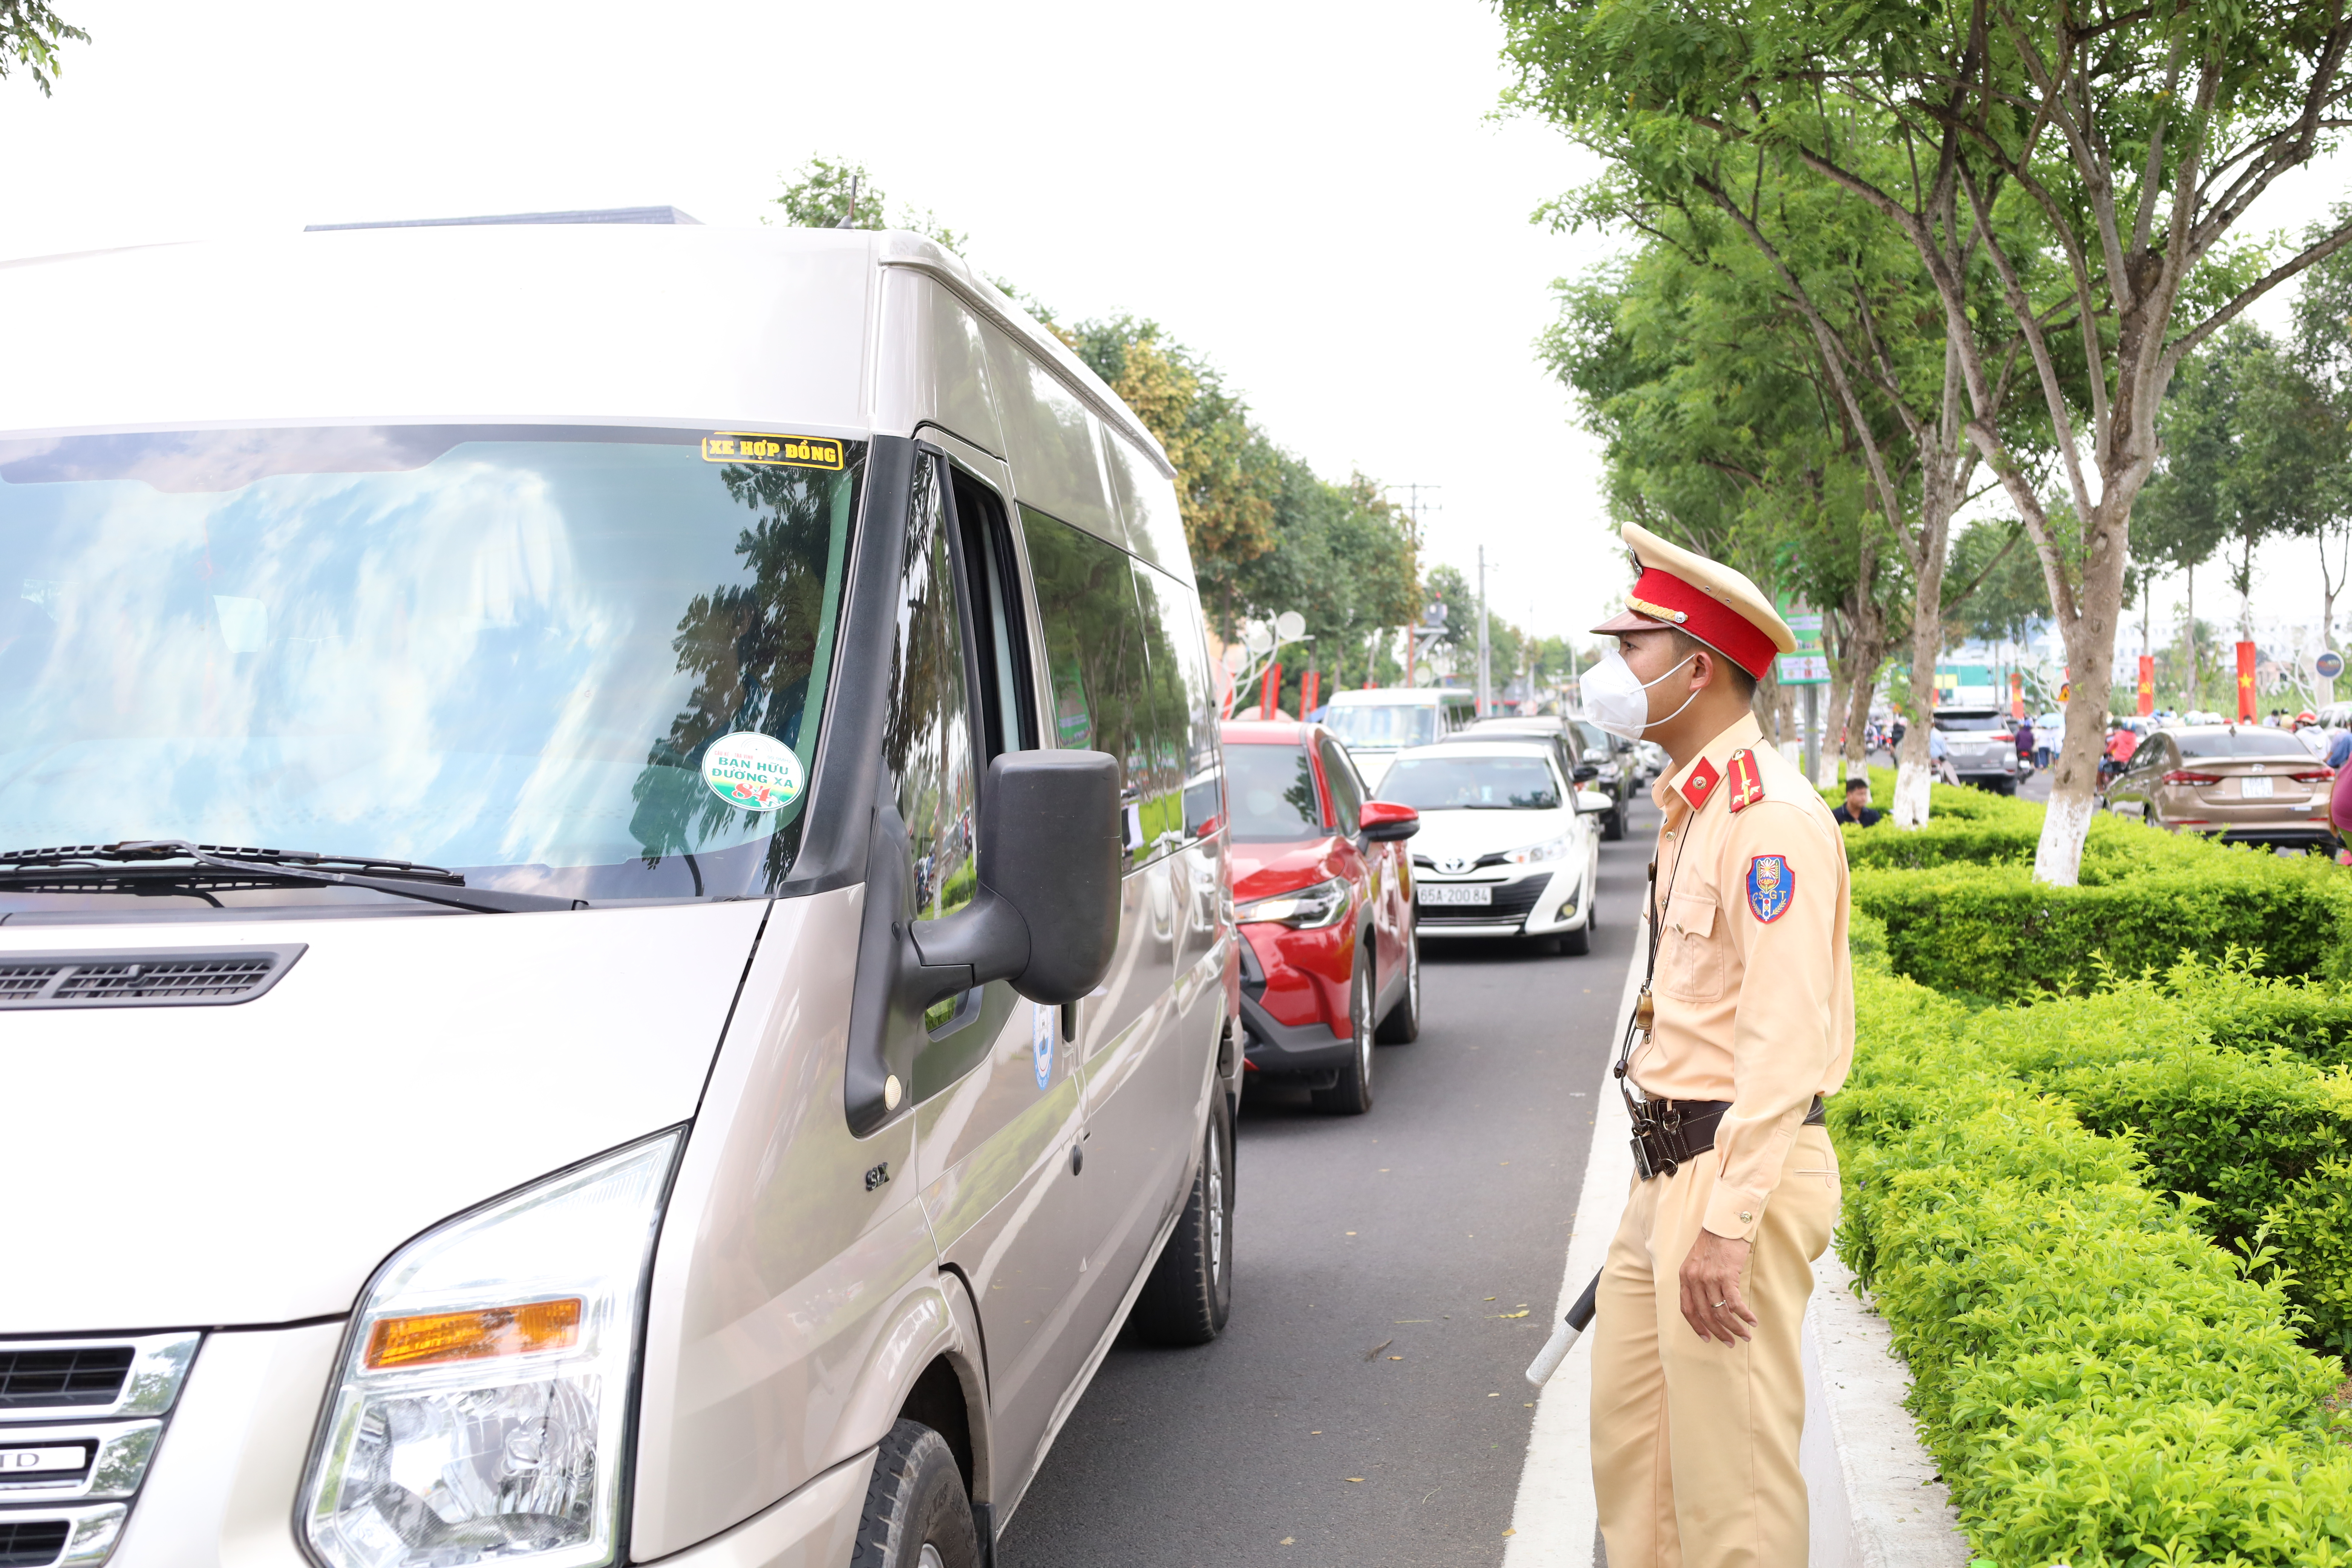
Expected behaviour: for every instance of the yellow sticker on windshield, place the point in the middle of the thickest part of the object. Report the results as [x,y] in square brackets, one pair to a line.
[790,451]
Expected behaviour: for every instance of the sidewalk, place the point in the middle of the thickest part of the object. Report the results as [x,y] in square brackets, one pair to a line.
[1878,1501]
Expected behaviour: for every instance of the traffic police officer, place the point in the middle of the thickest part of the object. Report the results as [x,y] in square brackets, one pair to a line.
[1746,1022]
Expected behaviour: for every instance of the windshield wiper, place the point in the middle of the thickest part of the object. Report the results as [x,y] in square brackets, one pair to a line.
[431,884]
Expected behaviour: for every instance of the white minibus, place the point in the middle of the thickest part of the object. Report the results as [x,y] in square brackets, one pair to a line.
[1376,725]
[611,836]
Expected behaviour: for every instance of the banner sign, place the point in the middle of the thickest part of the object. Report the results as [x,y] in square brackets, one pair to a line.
[2245,683]
[2146,685]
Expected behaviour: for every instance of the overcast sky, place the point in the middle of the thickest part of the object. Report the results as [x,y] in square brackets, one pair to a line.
[1316,197]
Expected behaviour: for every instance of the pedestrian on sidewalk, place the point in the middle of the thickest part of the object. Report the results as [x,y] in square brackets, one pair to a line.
[1745,1022]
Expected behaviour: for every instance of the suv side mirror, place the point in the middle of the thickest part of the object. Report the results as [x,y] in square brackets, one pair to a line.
[1046,913]
[1385,822]
[1587,772]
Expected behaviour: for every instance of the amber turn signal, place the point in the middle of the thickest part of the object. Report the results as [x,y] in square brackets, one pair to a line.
[474,1335]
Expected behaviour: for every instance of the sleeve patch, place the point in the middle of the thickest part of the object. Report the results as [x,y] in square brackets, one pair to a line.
[1771,887]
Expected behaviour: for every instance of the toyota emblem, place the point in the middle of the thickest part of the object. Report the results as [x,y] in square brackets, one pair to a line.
[1455,865]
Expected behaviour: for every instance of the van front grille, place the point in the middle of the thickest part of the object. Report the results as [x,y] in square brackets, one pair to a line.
[161,979]
[31,1543]
[84,1375]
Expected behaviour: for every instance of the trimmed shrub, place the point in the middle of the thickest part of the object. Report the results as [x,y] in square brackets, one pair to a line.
[1993,931]
[2100,1384]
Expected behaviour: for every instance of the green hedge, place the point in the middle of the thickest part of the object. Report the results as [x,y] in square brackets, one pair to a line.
[2101,1384]
[1993,931]
[1964,914]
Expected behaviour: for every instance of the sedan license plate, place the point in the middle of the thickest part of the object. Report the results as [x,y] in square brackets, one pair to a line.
[1472,893]
[2255,789]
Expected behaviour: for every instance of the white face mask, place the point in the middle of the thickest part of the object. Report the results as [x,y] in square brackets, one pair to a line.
[1618,699]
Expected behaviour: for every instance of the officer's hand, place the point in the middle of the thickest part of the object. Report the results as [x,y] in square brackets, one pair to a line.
[1711,1275]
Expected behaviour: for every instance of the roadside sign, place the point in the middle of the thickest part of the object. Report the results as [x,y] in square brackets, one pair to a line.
[2328,665]
[1808,666]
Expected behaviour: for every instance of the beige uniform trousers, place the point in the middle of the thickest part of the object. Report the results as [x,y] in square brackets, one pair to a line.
[1693,1441]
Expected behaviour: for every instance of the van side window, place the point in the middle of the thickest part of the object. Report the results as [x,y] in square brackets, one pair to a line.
[1203,785]
[1097,670]
[927,735]
[1007,721]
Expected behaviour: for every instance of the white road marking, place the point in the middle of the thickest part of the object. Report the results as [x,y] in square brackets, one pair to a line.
[1554,1517]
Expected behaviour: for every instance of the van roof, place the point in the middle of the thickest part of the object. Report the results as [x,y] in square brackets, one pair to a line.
[560,318]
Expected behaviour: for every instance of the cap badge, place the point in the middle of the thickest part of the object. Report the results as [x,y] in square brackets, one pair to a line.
[1701,782]
[1746,784]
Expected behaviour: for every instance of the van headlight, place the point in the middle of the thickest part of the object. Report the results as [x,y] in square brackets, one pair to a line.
[482,1403]
[1304,909]
[1550,849]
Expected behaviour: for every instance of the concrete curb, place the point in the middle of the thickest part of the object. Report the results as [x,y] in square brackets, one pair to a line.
[1877,1500]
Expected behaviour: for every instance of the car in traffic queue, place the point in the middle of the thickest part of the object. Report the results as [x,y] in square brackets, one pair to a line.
[1617,774]
[1376,724]
[1506,846]
[1323,898]
[742,1017]
[1981,743]
[2242,784]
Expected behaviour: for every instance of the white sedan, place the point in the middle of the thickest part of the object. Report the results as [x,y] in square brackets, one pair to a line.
[1503,849]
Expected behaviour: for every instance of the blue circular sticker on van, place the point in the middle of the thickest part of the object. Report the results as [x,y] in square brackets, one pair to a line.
[1041,1022]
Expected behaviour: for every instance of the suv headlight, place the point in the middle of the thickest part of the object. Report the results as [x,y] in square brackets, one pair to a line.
[1550,849]
[484,1393]
[1306,910]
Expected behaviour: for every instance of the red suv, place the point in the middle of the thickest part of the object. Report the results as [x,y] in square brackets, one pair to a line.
[1323,893]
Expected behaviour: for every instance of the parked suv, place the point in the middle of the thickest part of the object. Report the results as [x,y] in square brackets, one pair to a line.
[1323,894]
[1982,745]
[739,1020]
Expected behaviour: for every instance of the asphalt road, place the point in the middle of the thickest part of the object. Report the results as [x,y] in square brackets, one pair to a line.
[1367,1403]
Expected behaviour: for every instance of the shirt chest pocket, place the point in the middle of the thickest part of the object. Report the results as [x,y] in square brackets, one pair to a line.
[1690,952]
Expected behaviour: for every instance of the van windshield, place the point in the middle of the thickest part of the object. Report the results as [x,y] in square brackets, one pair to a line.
[506,650]
[1381,725]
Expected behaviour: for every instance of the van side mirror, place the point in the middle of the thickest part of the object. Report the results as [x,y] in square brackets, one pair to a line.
[1046,916]
[1587,772]
[1385,822]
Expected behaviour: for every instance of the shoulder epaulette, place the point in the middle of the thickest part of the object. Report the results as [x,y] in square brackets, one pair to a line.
[1746,783]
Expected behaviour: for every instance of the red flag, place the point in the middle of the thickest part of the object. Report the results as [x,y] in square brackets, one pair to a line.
[2016,694]
[1269,691]
[2146,685]
[1310,687]
[2245,682]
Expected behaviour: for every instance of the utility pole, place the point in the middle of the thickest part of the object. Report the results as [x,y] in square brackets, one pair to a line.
[1485,673]
[1412,508]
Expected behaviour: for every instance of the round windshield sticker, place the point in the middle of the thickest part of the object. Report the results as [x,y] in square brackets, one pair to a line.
[756,772]
[1041,1022]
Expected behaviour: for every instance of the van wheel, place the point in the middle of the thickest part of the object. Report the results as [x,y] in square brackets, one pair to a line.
[1191,1292]
[1352,1095]
[1612,824]
[917,1515]
[1402,1025]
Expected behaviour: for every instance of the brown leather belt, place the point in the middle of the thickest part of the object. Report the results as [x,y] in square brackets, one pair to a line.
[1670,1133]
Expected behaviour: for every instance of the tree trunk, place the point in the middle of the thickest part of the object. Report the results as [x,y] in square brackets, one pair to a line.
[2190,700]
[1939,491]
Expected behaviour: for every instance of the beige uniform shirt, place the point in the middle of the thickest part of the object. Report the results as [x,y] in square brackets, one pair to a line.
[1753,997]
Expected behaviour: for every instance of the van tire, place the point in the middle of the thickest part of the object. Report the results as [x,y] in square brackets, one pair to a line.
[1613,824]
[1190,1294]
[916,1500]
